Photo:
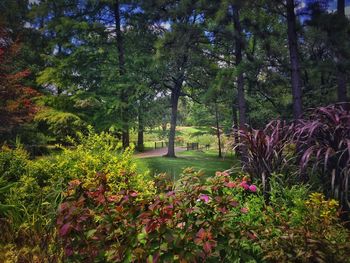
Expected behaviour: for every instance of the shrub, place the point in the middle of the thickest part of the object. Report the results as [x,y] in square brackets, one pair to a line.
[91,154]
[324,144]
[189,223]
[268,151]
[59,124]
[13,163]
[40,188]
[222,219]
[316,236]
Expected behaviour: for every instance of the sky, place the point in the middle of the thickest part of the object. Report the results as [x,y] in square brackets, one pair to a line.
[332,5]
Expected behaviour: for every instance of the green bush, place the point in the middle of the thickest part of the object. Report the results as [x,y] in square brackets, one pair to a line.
[13,163]
[95,153]
[42,183]
[311,232]
[60,125]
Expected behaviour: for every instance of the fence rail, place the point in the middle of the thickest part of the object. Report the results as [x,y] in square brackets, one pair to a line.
[197,146]
[160,144]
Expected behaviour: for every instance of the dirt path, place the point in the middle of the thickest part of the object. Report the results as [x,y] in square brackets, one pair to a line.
[157,152]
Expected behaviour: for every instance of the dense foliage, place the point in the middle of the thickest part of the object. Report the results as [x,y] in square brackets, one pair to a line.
[90,204]
[85,82]
[128,66]
[313,149]
[31,190]
[220,219]
[323,143]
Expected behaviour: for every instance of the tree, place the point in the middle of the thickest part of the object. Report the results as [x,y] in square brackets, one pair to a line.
[121,69]
[16,101]
[326,55]
[238,53]
[180,55]
[101,70]
[294,59]
[341,72]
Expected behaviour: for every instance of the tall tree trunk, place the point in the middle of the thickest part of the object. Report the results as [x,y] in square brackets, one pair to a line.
[218,130]
[175,94]
[341,74]
[341,7]
[294,60]
[121,69]
[341,90]
[140,142]
[235,127]
[240,79]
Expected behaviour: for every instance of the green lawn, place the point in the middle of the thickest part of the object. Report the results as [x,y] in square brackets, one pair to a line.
[202,135]
[206,161]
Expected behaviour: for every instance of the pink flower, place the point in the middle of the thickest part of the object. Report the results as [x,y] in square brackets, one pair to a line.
[181,225]
[253,188]
[244,185]
[218,173]
[230,184]
[113,198]
[204,198]
[244,210]
[225,174]
[133,194]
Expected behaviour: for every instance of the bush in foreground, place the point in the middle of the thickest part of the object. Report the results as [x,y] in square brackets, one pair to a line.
[221,220]
[34,190]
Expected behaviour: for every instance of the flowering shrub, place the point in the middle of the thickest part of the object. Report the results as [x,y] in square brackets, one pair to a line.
[189,223]
[42,182]
[220,219]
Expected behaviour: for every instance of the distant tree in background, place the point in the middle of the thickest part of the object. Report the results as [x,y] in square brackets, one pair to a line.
[112,63]
[17,106]
[179,53]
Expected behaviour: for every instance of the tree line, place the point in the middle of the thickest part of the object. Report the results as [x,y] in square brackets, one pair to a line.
[129,65]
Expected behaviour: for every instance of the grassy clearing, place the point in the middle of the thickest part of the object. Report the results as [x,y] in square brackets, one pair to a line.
[206,161]
[188,134]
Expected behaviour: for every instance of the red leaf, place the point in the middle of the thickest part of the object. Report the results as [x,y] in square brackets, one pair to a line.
[65,229]
[207,246]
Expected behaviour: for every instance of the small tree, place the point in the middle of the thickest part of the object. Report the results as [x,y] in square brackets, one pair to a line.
[16,100]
